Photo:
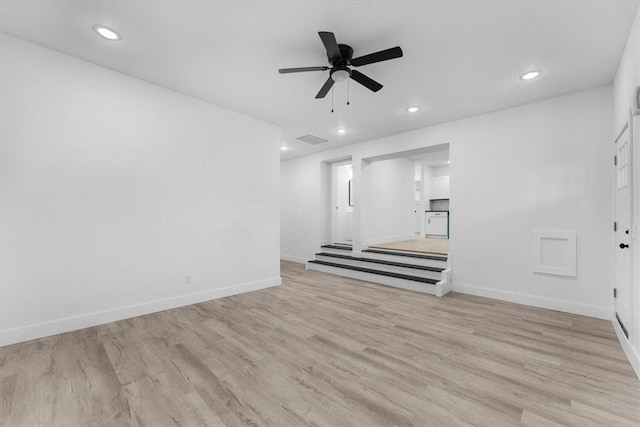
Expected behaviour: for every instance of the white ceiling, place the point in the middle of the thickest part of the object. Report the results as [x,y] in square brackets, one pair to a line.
[460,58]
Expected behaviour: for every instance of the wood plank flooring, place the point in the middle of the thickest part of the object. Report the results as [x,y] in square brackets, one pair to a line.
[419,244]
[328,351]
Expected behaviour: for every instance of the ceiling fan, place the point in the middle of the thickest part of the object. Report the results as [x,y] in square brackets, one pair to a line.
[340,58]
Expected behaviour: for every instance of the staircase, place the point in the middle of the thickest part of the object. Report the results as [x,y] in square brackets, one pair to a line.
[421,272]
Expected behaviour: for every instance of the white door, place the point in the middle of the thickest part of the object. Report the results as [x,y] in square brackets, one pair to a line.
[623,289]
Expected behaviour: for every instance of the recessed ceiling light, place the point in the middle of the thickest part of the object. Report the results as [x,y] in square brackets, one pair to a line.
[342,131]
[413,109]
[284,148]
[448,162]
[530,75]
[107,33]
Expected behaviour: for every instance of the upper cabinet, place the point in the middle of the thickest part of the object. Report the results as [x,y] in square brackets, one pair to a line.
[440,187]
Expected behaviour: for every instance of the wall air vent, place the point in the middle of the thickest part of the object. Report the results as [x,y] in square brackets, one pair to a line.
[312,139]
[636,101]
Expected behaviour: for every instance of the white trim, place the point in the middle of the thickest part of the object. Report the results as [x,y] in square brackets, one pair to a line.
[444,286]
[293,258]
[624,127]
[629,351]
[59,326]
[535,301]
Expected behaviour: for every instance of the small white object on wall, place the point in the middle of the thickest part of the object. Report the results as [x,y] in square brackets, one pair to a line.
[555,252]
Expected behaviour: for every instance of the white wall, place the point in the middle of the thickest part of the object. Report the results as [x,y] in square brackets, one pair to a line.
[627,78]
[441,171]
[113,190]
[545,165]
[388,201]
[627,75]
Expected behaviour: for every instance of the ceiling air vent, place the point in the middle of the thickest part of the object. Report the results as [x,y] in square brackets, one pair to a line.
[312,139]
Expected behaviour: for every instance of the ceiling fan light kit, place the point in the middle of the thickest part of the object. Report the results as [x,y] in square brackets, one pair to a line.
[339,76]
[340,57]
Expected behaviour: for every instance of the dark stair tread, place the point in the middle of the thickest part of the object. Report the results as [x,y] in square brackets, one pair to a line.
[342,247]
[379,261]
[381,273]
[410,255]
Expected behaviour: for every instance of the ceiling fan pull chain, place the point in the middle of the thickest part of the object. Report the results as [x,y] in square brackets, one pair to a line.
[332,99]
[347,92]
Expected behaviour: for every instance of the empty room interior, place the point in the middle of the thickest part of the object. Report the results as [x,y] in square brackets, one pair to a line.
[326,213]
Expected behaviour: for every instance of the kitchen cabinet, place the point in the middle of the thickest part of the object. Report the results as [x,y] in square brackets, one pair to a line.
[440,187]
[437,224]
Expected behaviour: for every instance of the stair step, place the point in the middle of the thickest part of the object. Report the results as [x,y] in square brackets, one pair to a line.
[382,262]
[378,272]
[407,254]
[341,247]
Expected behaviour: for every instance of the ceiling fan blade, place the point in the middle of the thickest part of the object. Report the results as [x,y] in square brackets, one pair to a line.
[365,81]
[383,55]
[325,88]
[301,69]
[330,43]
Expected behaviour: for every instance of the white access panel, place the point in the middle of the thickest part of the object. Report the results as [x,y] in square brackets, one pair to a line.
[555,252]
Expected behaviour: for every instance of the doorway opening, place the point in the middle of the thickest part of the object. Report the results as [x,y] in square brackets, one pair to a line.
[425,174]
[342,203]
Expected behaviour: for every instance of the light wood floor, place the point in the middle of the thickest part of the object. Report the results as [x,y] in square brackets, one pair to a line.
[327,351]
[419,244]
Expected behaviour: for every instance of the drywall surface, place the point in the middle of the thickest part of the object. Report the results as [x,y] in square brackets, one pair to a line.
[627,75]
[441,171]
[388,201]
[541,166]
[114,190]
[627,79]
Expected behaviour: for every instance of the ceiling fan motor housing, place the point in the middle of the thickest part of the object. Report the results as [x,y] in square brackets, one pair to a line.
[340,72]
[346,52]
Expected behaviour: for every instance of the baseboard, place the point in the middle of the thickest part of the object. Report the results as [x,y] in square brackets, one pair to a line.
[629,351]
[535,301]
[293,258]
[59,326]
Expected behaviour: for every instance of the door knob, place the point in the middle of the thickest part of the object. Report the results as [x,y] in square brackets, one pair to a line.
[622,246]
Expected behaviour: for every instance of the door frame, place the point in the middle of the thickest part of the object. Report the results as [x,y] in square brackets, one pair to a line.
[334,196]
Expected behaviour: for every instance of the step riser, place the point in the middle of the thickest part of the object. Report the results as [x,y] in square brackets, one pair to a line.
[405,260]
[375,278]
[391,268]
[336,251]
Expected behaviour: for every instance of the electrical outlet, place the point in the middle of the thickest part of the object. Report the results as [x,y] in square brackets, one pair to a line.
[188,279]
